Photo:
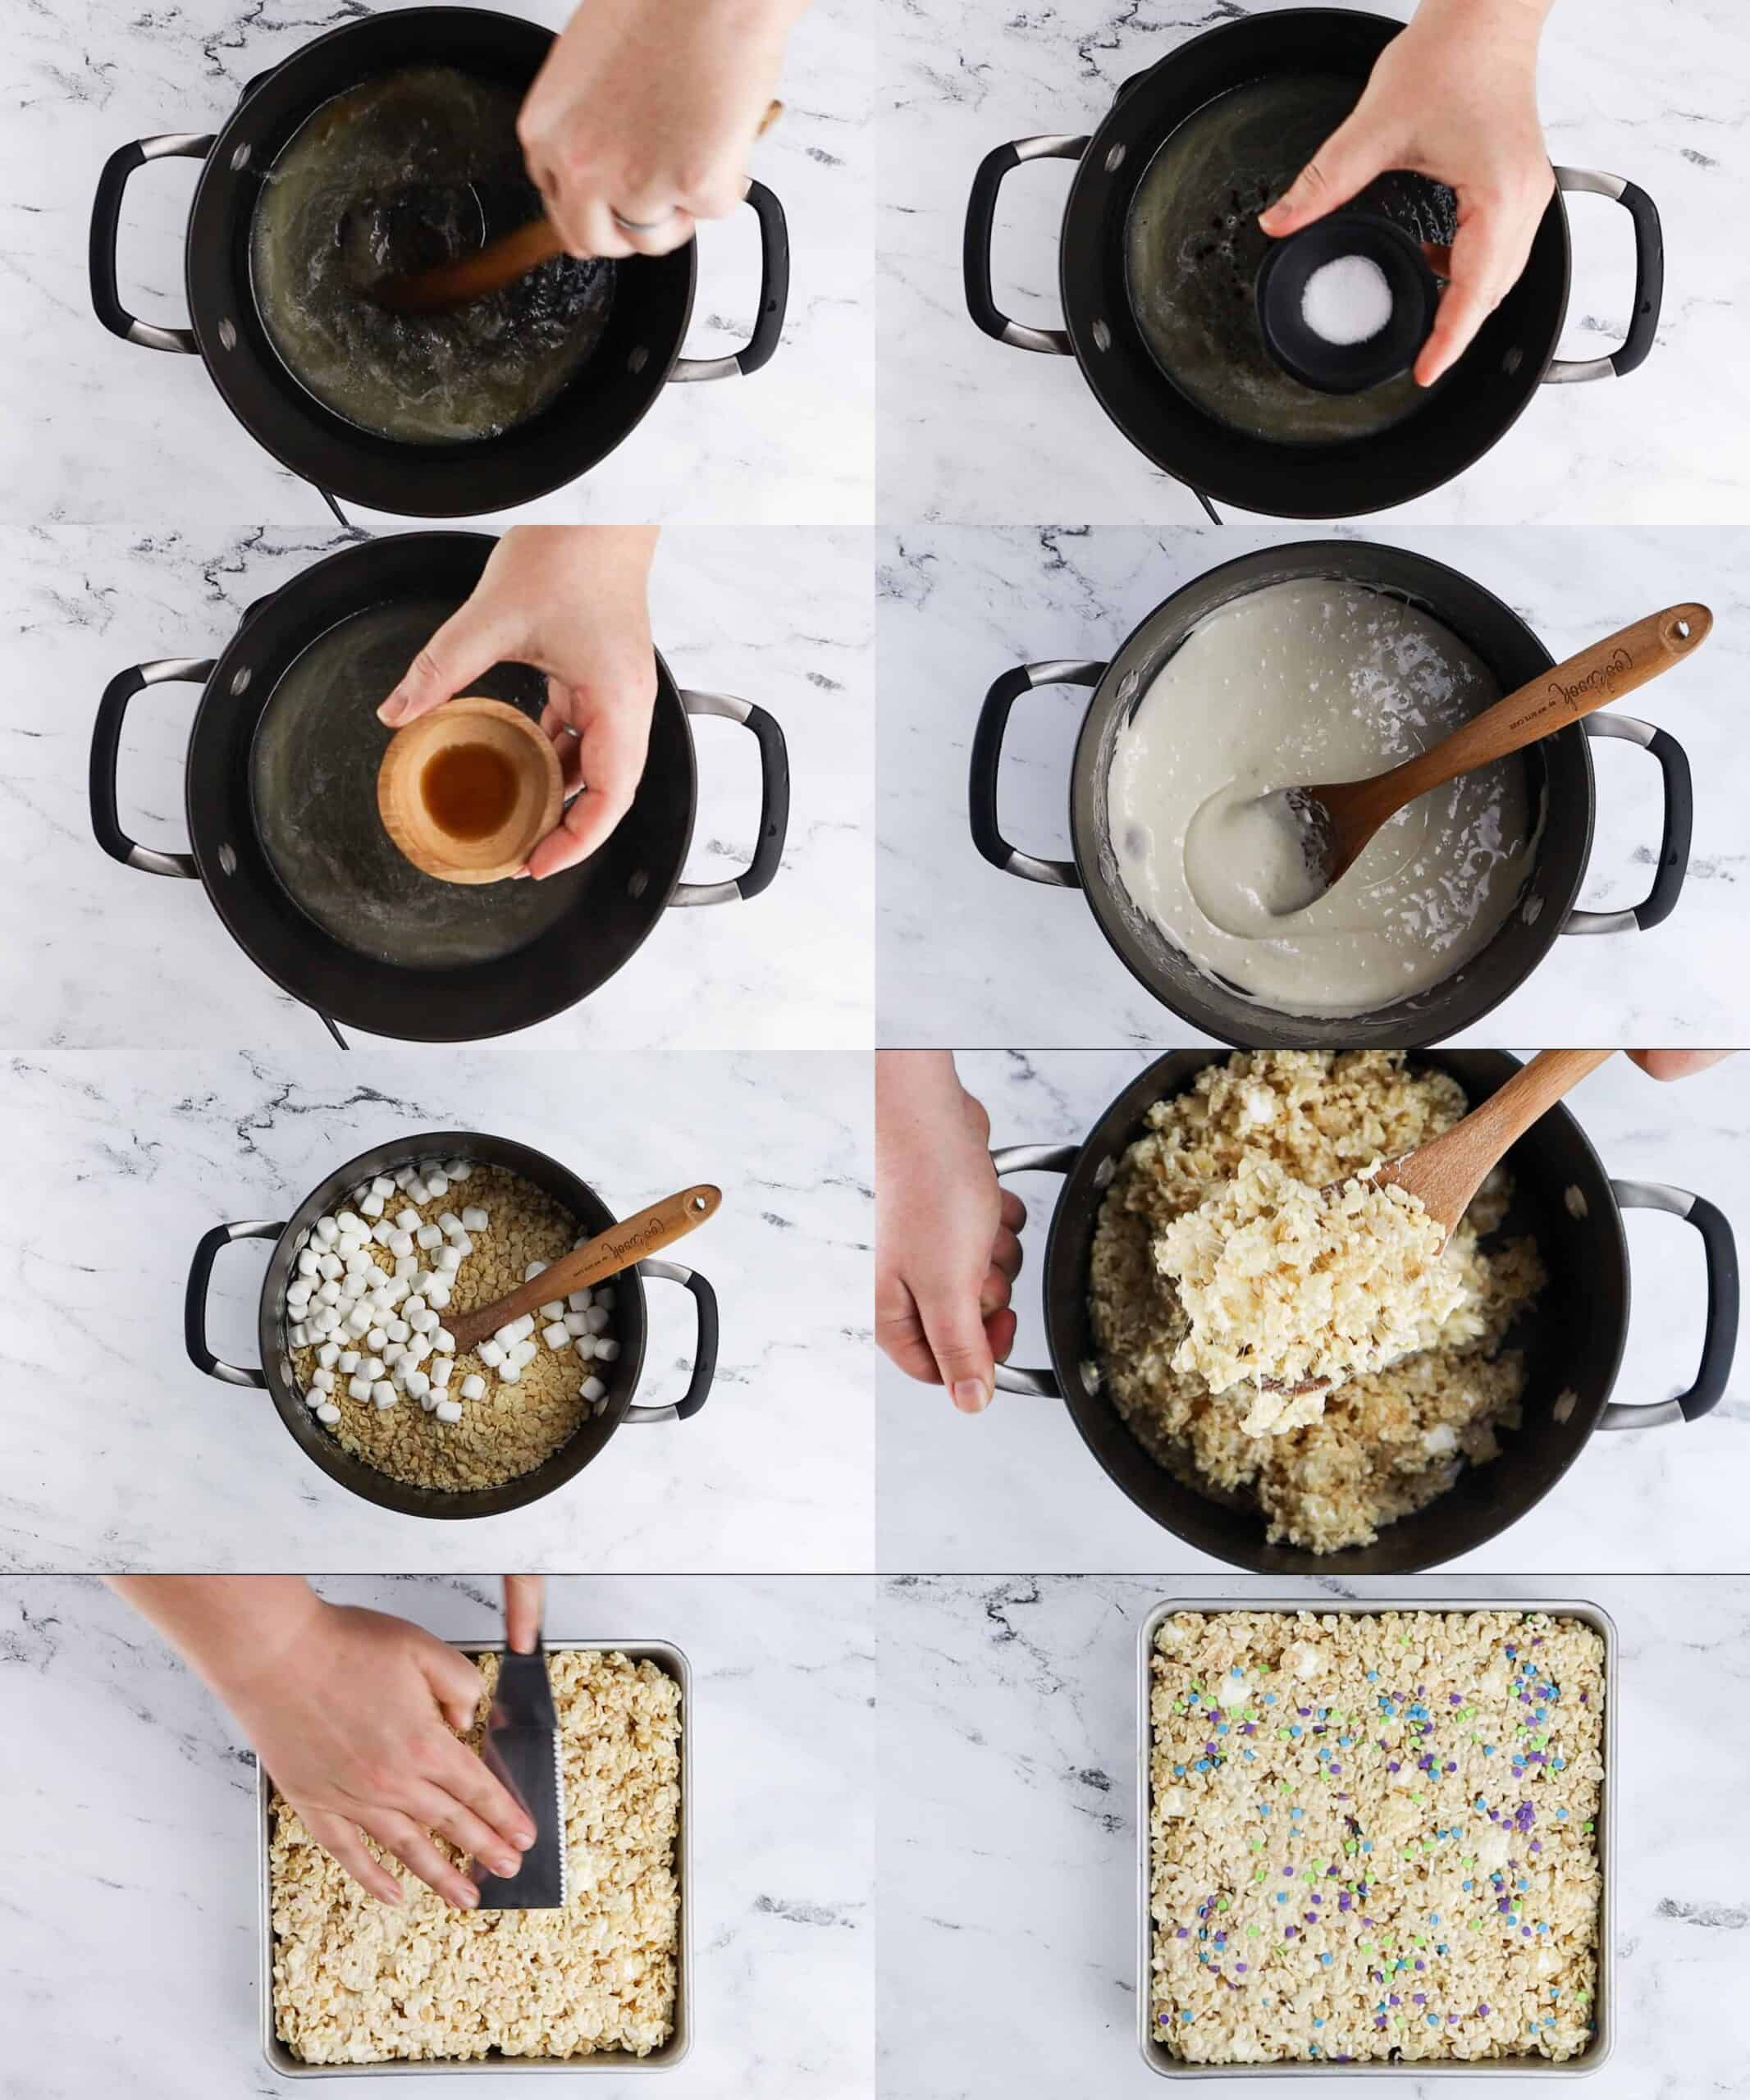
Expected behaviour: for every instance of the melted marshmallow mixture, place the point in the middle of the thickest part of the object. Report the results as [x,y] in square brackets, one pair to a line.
[1298,683]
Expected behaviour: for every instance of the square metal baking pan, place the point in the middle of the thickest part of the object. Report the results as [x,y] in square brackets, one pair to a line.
[668,1659]
[1589,2060]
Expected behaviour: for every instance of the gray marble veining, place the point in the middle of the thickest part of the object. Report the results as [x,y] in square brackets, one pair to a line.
[1017,1488]
[129,1799]
[127,1456]
[1007,1805]
[968,955]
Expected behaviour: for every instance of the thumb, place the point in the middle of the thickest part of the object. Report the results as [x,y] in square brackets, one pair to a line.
[1342,167]
[954,1327]
[469,642]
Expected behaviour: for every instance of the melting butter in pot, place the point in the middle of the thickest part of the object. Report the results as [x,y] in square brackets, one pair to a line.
[1297,683]
[403,173]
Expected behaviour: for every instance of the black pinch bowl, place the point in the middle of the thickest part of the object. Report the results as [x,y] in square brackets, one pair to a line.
[1572,1338]
[1478,403]
[637,355]
[631,1328]
[1345,368]
[1558,769]
[631,879]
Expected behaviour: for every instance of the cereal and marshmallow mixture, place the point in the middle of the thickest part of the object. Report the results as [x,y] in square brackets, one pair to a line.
[1374,1835]
[356,1981]
[1386,1442]
[1285,1282]
[376,1365]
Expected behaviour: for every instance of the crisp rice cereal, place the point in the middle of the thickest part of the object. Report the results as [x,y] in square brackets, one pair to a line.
[357,1982]
[1387,1443]
[1284,1282]
[1374,1835]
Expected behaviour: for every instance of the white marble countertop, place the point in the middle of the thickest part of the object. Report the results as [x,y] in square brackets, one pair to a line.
[968,955]
[1008,1876]
[94,955]
[131,1821]
[1015,1487]
[130,439]
[127,1456]
[971,429]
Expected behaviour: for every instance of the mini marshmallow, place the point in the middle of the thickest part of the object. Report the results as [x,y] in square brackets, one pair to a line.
[383,1231]
[554,1309]
[457,1169]
[510,1374]
[423,1321]
[448,1411]
[606,1350]
[348,1362]
[297,1335]
[595,1320]
[406,1268]
[299,1294]
[449,1261]
[329,1294]
[441,1367]
[523,1355]
[408,1219]
[350,1221]
[463,1245]
[474,1218]
[383,1393]
[417,1350]
[437,1183]
[507,1336]
[382,1186]
[533,1270]
[580,1301]
[444,1341]
[449,1223]
[401,1245]
[604,1298]
[377,1340]
[428,1236]
[314,1400]
[371,1207]
[327,1230]
[437,1296]
[473,1386]
[372,1366]
[398,1330]
[322,1381]
[418,1385]
[328,1355]
[329,1413]
[592,1389]
[414,1304]
[331,1266]
[524,1326]
[307,1264]
[403,1175]
[393,1354]
[492,1353]
[585,1346]
[359,1388]
[574,1324]
[554,1335]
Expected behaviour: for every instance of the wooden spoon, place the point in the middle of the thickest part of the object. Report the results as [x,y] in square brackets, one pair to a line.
[610,1252]
[1336,819]
[490,268]
[1447,1172]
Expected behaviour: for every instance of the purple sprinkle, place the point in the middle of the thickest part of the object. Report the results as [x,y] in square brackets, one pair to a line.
[1453,1699]
[1420,1998]
[1483,2012]
[1289,1873]
[1289,1933]
[1379,2023]
[1422,1964]
[1338,1768]
[1342,1901]
[1183,1933]
[1393,1999]
[1392,1765]
[1240,1967]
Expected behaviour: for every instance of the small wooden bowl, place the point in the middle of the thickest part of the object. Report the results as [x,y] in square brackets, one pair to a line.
[531,807]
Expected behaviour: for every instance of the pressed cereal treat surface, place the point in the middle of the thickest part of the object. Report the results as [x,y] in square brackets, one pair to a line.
[1386,1442]
[359,1982]
[1374,1835]
[512,1427]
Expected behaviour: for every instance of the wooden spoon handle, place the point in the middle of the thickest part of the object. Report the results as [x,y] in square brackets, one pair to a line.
[610,1252]
[1447,1172]
[1592,679]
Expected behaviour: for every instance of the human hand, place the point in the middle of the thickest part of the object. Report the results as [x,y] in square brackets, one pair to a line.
[1675,1064]
[352,1713]
[1454,98]
[649,109]
[571,599]
[525,1596]
[946,1246]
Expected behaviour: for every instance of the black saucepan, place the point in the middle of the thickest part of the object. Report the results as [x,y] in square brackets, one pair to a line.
[621,892]
[1560,767]
[1513,355]
[1573,1338]
[639,354]
[631,1326]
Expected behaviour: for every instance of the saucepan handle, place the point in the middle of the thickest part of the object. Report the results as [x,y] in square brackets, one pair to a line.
[1720,1336]
[981,211]
[987,756]
[1649,278]
[774,801]
[1660,901]
[704,1354]
[1031,1159]
[775,299]
[194,1304]
[106,219]
[106,748]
